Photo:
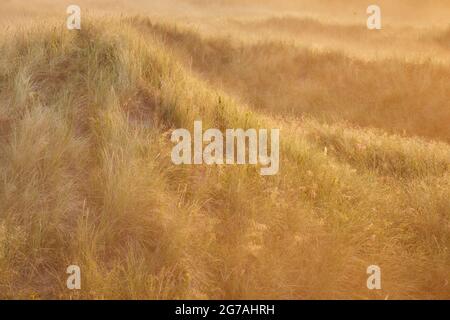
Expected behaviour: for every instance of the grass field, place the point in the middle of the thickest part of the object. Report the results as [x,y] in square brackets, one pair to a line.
[86,176]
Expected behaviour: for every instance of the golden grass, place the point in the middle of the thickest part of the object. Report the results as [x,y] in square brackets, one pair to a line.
[86,176]
[404,97]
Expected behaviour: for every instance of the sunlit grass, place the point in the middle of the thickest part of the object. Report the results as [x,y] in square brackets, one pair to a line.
[86,176]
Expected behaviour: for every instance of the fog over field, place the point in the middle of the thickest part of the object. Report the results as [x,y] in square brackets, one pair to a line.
[87,171]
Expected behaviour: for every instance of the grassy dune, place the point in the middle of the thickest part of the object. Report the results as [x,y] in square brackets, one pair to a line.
[86,176]
[398,96]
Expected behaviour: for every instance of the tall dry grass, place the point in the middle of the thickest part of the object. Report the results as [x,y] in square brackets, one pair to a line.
[410,97]
[86,177]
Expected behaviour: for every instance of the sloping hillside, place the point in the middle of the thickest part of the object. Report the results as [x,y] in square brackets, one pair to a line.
[86,178]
